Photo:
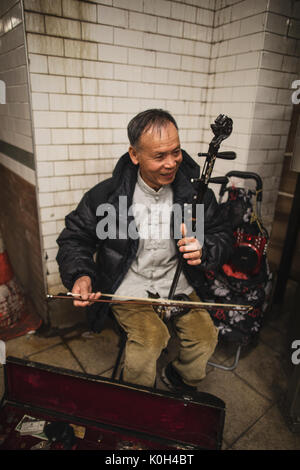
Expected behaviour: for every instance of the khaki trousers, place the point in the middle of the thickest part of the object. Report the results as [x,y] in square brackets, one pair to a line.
[148,335]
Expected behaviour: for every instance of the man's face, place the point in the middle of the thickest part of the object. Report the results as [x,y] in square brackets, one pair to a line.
[158,154]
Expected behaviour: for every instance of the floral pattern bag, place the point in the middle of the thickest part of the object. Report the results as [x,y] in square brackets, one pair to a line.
[250,286]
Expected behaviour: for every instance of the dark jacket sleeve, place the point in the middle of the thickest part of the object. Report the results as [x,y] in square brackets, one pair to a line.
[77,244]
[218,236]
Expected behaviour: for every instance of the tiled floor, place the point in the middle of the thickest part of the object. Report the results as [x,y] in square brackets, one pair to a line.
[254,393]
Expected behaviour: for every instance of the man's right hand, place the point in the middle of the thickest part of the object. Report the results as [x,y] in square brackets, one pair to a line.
[83,287]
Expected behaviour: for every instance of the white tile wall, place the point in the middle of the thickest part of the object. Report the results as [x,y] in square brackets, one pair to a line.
[15,120]
[254,61]
[93,65]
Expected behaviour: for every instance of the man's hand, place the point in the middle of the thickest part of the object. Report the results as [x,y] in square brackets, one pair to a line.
[83,287]
[191,248]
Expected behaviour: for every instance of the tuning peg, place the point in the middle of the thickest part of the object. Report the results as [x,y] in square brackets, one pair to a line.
[219,180]
[223,155]
[227,155]
[195,180]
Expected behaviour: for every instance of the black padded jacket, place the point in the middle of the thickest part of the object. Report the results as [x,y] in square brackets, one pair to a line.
[107,261]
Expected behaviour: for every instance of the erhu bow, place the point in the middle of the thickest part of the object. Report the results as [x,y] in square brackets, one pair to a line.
[111,298]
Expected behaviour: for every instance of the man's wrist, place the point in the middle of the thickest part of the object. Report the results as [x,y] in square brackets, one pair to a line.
[78,276]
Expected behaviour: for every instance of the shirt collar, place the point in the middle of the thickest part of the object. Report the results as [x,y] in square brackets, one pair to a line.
[147,189]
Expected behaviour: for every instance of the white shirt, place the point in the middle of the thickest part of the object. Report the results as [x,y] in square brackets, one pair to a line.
[156,260]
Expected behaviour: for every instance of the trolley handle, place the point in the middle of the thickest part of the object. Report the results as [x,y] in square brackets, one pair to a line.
[245,175]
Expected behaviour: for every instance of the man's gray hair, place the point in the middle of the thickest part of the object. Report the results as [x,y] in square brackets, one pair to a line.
[143,121]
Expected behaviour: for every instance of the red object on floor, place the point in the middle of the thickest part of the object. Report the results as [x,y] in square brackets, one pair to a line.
[6,273]
[16,317]
[28,321]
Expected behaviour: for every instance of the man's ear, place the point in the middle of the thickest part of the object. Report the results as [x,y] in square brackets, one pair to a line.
[133,155]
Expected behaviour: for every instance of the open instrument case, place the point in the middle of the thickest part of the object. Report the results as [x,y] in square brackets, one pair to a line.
[104,414]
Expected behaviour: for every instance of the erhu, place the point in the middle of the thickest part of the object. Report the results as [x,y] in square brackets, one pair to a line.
[222,129]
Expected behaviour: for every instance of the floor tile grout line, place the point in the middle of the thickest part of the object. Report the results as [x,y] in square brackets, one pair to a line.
[254,389]
[62,342]
[252,425]
[43,349]
[73,355]
[243,380]
[106,370]
[65,342]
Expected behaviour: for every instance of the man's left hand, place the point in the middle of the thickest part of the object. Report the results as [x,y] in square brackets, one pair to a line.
[191,248]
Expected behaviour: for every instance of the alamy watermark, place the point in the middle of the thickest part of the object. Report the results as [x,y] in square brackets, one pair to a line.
[155,222]
[2,92]
[296,354]
[296,94]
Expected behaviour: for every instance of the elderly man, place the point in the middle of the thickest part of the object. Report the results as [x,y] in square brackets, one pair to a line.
[155,173]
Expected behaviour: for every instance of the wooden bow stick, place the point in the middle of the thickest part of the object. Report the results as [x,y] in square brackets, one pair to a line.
[143,301]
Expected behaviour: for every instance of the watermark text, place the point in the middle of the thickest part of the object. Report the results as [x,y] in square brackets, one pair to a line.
[155,222]
[296,354]
[296,94]
[2,92]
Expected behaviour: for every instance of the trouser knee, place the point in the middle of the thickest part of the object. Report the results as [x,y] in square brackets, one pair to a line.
[156,338]
[197,328]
